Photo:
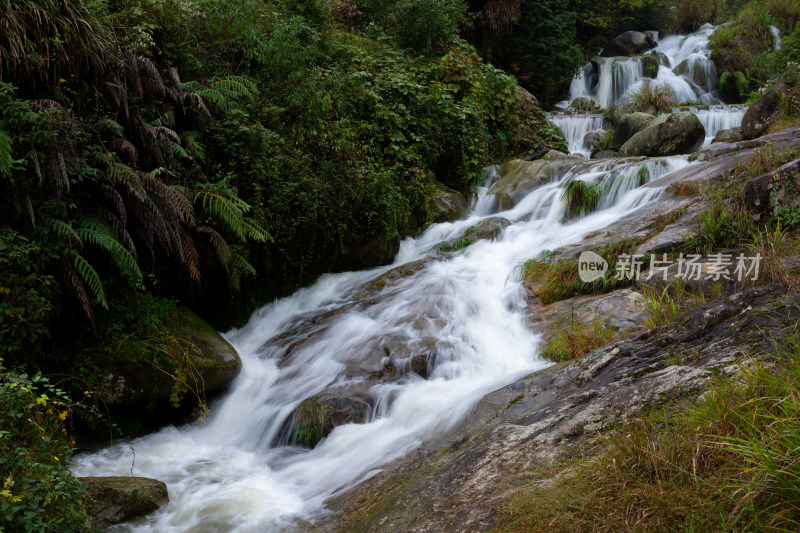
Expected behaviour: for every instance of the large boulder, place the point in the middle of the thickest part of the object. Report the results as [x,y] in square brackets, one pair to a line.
[763,113]
[733,135]
[518,178]
[111,500]
[198,361]
[673,134]
[628,44]
[449,205]
[628,126]
[376,251]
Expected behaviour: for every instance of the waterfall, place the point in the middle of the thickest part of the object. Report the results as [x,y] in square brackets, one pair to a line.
[579,131]
[684,65]
[233,472]
[717,118]
[776,35]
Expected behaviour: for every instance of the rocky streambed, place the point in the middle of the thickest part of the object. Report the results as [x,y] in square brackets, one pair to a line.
[411,397]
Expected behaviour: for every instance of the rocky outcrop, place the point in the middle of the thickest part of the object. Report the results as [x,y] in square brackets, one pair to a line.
[376,251]
[729,136]
[518,178]
[449,205]
[763,113]
[111,500]
[628,44]
[199,361]
[672,134]
[774,193]
[628,126]
[457,481]
[622,311]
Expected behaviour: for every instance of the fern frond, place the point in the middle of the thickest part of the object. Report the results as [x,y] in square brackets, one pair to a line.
[90,277]
[237,85]
[191,257]
[215,97]
[227,209]
[186,205]
[243,265]
[189,140]
[96,232]
[221,247]
[256,232]
[111,126]
[5,154]
[126,148]
[122,173]
[62,229]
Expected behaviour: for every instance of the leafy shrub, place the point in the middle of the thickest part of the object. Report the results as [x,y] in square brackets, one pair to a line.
[421,25]
[38,493]
[27,292]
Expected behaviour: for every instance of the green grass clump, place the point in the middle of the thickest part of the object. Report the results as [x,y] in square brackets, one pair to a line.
[553,281]
[455,246]
[729,463]
[576,341]
[658,95]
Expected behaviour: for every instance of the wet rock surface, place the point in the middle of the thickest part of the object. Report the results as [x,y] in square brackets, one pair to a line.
[449,205]
[671,134]
[455,482]
[111,500]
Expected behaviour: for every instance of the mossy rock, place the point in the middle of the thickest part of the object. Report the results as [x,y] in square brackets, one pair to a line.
[673,134]
[196,359]
[628,126]
[448,205]
[111,500]
[650,65]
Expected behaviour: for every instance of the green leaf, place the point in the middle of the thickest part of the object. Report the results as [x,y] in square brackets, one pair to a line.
[90,278]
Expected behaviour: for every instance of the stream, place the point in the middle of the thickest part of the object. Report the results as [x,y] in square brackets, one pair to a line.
[236,470]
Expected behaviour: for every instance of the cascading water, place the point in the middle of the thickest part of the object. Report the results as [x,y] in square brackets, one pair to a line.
[776,36]
[579,131]
[230,471]
[684,65]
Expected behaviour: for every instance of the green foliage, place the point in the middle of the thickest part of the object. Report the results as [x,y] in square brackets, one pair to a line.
[423,25]
[47,39]
[686,16]
[5,154]
[37,493]
[28,292]
[541,49]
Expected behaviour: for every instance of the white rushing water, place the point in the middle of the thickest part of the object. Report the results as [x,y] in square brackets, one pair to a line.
[685,66]
[776,36]
[230,472]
